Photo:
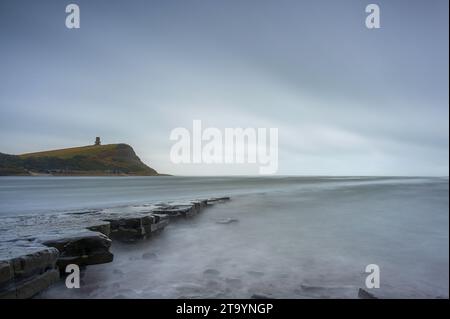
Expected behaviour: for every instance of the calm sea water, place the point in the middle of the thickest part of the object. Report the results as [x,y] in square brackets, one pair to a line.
[296,237]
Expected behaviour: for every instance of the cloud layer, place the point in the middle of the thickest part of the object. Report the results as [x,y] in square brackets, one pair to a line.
[346,100]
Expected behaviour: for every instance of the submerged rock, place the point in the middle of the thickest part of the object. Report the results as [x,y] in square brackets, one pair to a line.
[134,227]
[364,294]
[103,227]
[227,221]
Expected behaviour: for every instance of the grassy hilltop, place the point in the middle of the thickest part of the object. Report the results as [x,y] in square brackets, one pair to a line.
[111,159]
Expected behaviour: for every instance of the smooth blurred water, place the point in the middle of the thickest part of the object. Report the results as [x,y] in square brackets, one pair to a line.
[296,237]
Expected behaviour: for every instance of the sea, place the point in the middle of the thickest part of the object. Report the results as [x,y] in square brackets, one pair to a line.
[287,236]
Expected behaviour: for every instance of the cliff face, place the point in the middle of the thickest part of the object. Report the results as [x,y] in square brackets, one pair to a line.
[111,159]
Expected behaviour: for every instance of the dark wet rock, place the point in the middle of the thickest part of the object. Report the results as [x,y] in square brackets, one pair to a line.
[6,272]
[29,266]
[198,205]
[34,285]
[79,247]
[32,247]
[202,202]
[364,294]
[26,259]
[103,227]
[26,269]
[215,200]
[227,221]
[211,271]
[136,227]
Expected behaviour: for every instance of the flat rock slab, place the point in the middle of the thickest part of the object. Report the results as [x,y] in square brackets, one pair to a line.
[34,247]
[215,200]
[26,269]
[181,208]
[31,287]
[80,247]
[136,226]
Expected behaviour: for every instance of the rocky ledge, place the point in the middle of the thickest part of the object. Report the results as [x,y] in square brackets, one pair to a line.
[35,250]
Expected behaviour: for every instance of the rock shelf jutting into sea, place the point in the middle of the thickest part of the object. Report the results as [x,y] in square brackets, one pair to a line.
[35,249]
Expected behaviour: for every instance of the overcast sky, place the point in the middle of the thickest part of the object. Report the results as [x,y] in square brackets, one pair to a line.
[346,100]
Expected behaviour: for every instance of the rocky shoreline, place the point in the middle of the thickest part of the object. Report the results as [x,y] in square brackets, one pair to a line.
[35,250]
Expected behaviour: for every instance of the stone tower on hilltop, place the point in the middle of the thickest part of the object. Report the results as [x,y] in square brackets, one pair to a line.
[97,141]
